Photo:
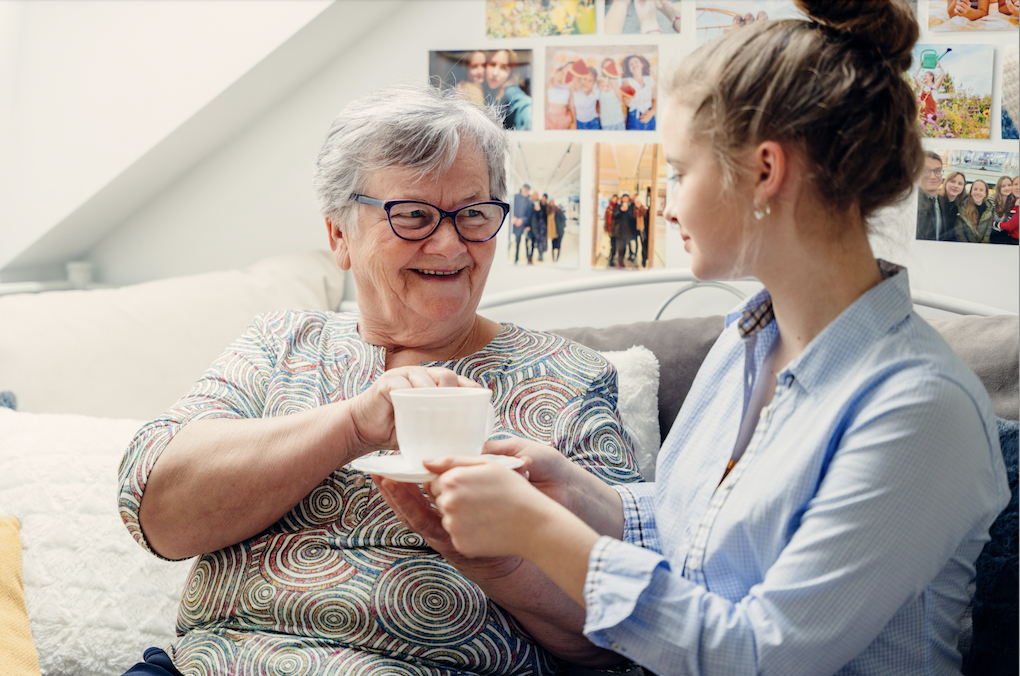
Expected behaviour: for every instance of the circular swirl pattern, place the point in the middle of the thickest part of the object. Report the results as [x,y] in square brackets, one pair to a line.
[536,407]
[344,616]
[356,663]
[424,601]
[304,563]
[209,593]
[275,658]
[319,507]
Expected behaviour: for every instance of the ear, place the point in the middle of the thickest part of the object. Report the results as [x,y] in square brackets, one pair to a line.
[771,169]
[338,243]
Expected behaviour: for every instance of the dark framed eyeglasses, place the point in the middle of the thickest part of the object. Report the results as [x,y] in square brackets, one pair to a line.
[414,221]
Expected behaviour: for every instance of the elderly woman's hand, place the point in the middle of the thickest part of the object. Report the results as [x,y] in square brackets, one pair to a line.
[372,411]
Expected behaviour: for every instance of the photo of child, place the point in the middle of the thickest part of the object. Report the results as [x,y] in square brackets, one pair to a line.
[526,18]
[641,16]
[973,15]
[953,86]
[715,17]
[606,88]
[493,77]
[545,207]
[629,231]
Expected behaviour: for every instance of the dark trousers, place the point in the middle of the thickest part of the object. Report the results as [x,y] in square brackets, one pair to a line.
[157,663]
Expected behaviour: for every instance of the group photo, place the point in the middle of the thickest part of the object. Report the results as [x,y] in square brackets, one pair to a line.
[609,88]
[629,228]
[545,207]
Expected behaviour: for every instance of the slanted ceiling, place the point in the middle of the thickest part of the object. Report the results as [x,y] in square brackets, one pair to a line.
[311,48]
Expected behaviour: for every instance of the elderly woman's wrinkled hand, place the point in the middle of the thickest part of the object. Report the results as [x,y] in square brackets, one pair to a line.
[372,411]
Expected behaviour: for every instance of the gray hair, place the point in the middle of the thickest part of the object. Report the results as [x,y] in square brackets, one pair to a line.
[414,126]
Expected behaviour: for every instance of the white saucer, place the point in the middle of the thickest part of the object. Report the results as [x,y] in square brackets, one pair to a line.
[395,467]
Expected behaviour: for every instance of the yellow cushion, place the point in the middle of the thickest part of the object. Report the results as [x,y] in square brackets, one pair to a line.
[17,652]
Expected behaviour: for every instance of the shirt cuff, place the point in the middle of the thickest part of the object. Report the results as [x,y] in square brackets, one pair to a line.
[618,574]
[639,515]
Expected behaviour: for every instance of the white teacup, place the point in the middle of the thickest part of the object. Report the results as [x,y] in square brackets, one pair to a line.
[434,422]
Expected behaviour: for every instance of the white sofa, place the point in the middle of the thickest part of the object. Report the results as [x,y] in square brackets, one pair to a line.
[88,368]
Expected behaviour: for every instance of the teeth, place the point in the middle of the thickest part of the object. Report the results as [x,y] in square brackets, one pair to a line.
[438,273]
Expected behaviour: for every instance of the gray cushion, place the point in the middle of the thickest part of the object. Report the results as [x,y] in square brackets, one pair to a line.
[680,345]
[989,345]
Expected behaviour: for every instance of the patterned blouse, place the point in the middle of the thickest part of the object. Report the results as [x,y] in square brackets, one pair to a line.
[339,585]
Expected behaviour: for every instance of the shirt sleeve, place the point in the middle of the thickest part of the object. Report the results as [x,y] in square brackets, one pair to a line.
[639,515]
[233,387]
[912,484]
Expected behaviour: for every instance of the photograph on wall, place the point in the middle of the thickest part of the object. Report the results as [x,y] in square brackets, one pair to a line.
[609,87]
[546,205]
[968,196]
[1010,92]
[528,18]
[495,76]
[973,15]
[629,231]
[953,88]
[641,17]
[715,17]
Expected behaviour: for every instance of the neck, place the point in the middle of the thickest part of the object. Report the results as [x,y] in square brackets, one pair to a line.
[813,275]
[409,346]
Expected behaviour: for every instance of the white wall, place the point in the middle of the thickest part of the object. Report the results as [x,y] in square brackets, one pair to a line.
[90,86]
[252,197]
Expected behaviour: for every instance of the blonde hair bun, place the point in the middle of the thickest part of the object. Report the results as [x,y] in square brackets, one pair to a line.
[888,26]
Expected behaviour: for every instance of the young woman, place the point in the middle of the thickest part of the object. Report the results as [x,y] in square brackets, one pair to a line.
[611,111]
[1005,230]
[472,86]
[1003,198]
[637,74]
[830,480]
[502,87]
[950,193]
[976,215]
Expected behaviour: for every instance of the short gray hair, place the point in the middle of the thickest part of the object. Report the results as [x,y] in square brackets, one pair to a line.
[414,126]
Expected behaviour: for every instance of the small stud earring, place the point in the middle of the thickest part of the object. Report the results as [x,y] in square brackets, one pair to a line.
[759,212]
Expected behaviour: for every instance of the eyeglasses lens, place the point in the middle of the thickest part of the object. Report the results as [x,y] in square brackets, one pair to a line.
[475,222]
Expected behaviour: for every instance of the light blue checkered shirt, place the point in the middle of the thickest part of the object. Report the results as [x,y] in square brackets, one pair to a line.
[843,540]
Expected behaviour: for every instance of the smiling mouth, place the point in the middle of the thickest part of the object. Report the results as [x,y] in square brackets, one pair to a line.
[438,273]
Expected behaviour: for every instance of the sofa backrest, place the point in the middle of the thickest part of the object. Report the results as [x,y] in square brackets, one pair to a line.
[988,345]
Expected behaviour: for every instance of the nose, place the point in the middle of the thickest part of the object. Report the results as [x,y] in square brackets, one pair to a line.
[445,240]
[669,211]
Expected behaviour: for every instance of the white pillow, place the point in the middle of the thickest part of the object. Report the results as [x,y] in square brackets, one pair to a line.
[96,600]
[638,381]
[132,352]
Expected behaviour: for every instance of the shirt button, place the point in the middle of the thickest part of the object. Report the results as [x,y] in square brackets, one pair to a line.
[615,646]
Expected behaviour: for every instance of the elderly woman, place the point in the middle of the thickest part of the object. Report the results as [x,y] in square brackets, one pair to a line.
[301,567]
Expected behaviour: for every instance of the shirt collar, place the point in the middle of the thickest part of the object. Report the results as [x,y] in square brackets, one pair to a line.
[868,318]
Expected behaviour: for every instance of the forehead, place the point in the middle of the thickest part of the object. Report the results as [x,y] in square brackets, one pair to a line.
[466,178]
[932,163]
[500,58]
